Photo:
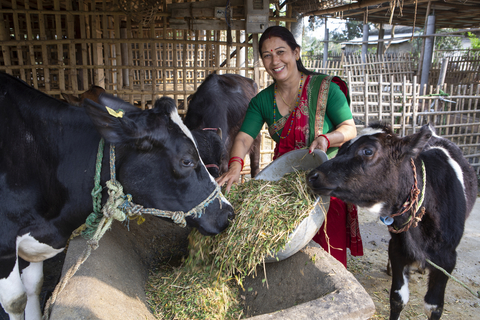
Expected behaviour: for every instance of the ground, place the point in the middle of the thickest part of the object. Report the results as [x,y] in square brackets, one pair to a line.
[370,271]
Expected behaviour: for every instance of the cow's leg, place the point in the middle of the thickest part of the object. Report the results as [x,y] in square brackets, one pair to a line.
[13,297]
[399,293]
[437,282]
[254,156]
[32,278]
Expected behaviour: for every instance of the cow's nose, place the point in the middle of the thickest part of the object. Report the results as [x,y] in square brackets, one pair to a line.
[312,177]
[231,214]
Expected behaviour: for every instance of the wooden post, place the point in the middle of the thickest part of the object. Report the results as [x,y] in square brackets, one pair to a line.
[365,39]
[325,46]
[427,13]
[256,60]
[124,49]
[443,72]
[241,53]
[428,52]
[380,44]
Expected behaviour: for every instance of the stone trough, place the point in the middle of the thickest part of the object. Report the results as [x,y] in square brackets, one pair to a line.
[110,284]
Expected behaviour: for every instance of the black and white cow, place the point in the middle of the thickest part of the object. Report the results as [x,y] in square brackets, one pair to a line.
[221,101]
[48,153]
[378,171]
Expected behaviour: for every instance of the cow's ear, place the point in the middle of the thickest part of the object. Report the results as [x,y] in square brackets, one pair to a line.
[110,120]
[415,143]
[71,99]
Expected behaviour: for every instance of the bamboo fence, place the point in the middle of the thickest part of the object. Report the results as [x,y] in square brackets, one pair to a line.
[62,46]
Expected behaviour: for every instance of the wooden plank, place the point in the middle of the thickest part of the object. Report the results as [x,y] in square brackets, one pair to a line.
[59,34]
[17,32]
[118,53]
[196,24]
[31,49]
[6,53]
[204,4]
[71,50]
[83,34]
[43,36]
[237,13]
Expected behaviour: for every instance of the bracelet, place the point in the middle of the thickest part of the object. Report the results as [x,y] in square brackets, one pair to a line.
[236,159]
[322,135]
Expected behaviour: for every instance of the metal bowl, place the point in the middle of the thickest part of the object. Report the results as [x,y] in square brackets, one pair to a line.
[298,160]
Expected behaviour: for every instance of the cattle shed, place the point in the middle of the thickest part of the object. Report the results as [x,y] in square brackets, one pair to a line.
[142,50]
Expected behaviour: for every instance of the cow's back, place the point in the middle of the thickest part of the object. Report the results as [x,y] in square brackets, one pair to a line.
[43,145]
[440,149]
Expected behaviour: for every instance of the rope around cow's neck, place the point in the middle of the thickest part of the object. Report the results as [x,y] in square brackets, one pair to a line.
[413,203]
[119,207]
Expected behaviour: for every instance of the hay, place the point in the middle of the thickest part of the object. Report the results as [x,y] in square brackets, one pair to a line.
[267,212]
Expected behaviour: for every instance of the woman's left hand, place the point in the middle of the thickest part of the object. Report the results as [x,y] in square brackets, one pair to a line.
[320,142]
[343,132]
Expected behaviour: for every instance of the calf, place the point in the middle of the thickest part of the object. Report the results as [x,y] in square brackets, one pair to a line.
[425,209]
[47,168]
[221,101]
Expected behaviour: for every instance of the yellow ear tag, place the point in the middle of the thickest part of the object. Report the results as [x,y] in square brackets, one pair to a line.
[140,220]
[116,114]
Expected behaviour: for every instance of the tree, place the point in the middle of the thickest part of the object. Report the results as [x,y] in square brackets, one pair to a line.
[353,29]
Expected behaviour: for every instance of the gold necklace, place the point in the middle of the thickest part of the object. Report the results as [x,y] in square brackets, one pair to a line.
[281,96]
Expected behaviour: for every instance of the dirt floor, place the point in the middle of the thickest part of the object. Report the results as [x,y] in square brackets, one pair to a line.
[370,271]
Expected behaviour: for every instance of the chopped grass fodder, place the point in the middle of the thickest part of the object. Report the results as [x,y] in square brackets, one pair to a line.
[267,212]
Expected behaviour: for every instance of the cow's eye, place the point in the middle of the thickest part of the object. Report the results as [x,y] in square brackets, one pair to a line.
[187,163]
[367,152]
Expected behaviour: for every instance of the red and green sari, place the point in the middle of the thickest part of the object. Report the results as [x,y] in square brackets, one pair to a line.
[341,230]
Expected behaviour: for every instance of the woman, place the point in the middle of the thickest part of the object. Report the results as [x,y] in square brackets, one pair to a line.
[289,107]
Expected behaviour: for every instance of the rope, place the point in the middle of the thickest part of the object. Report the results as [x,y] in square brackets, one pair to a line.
[413,203]
[119,207]
[477,294]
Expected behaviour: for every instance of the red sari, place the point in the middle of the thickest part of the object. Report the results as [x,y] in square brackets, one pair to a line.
[341,228]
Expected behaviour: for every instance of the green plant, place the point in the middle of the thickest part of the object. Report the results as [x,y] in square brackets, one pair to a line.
[474,40]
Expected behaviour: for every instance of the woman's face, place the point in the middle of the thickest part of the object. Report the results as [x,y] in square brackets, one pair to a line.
[279,60]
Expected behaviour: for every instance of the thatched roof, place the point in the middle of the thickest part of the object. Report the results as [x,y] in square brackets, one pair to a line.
[458,14]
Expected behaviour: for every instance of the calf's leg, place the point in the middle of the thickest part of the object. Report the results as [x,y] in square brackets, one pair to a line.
[437,282]
[399,293]
[254,155]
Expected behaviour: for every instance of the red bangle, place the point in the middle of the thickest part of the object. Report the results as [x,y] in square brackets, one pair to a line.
[236,159]
[322,135]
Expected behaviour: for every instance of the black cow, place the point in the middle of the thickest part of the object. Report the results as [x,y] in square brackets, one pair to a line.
[384,173]
[211,149]
[221,101]
[48,154]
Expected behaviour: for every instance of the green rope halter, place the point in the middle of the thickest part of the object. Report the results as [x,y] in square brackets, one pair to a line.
[120,206]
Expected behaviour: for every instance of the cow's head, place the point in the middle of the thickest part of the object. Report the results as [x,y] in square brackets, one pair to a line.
[369,169]
[157,160]
[211,148]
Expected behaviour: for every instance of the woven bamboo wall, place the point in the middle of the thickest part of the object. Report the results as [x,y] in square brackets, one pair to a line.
[67,46]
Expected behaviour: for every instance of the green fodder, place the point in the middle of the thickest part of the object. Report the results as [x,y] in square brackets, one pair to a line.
[267,212]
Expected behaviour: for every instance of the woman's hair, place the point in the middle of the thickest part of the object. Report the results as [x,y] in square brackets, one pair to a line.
[284,34]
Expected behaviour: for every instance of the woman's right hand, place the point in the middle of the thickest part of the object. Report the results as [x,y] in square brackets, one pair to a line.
[231,176]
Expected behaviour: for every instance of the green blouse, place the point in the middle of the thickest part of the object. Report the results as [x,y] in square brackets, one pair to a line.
[260,110]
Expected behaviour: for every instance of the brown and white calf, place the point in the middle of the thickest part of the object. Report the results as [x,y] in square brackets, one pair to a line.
[425,209]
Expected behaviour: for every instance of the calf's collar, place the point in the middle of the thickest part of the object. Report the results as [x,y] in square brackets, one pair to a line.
[413,203]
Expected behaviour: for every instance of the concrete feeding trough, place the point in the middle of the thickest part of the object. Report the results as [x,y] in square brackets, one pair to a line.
[307,283]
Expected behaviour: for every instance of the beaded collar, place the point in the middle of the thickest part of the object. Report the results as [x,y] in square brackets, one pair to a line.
[294,110]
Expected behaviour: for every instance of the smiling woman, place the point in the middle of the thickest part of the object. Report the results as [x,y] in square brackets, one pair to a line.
[302,110]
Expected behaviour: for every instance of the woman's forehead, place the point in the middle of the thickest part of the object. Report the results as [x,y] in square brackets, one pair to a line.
[273,43]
